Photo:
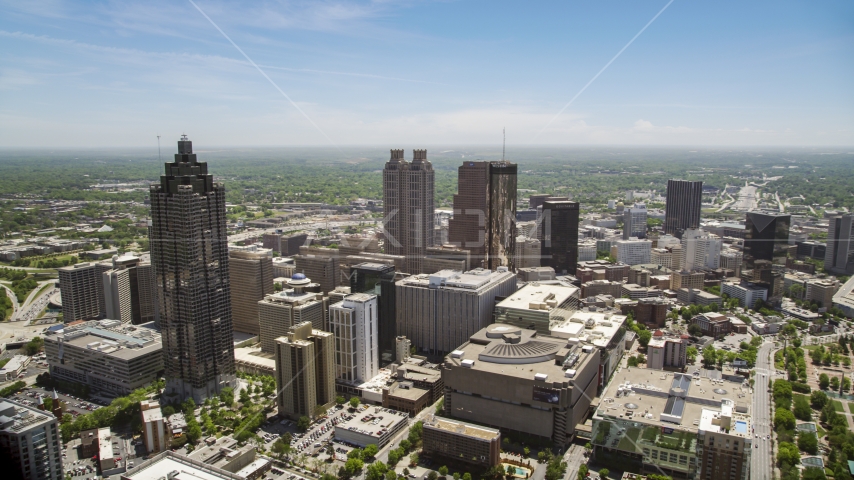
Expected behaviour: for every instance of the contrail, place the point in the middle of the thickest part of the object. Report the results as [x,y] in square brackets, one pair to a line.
[603,69]
[264,74]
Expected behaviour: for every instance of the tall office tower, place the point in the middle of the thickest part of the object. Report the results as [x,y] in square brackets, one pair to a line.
[634,251]
[354,324]
[189,251]
[438,312]
[408,207]
[839,256]
[82,290]
[484,219]
[682,210]
[278,312]
[30,442]
[766,247]
[700,250]
[130,294]
[251,280]
[560,235]
[305,371]
[634,221]
[378,279]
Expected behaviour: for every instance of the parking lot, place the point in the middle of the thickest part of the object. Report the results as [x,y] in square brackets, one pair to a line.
[79,468]
[73,405]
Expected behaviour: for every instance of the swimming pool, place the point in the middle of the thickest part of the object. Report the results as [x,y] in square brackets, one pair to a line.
[740,427]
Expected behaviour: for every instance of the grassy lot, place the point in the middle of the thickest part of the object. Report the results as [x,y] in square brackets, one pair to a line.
[851,407]
[810,347]
[820,431]
[837,405]
[796,395]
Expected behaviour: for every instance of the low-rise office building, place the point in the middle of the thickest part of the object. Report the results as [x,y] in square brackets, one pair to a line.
[675,423]
[605,332]
[535,306]
[374,425]
[112,358]
[405,397]
[278,312]
[516,380]
[700,297]
[747,294]
[461,441]
[667,353]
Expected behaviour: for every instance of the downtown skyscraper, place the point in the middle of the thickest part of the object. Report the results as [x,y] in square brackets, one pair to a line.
[189,252]
[558,232]
[484,221]
[408,207]
[682,210]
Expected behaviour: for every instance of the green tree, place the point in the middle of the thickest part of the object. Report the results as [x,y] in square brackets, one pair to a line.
[818,399]
[784,419]
[405,444]
[413,458]
[788,454]
[340,400]
[303,423]
[319,411]
[194,431]
[582,472]
[802,409]
[352,467]
[823,381]
[369,452]
[281,448]
[376,471]
[432,475]
[467,476]
[644,336]
[604,473]
[814,473]
[808,442]
[226,396]
[354,402]
[443,471]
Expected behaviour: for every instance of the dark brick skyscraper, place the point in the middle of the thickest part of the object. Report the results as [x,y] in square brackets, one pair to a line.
[189,252]
[559,240]
[682,211]
[484,221]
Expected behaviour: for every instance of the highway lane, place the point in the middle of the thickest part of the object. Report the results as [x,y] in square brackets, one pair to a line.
[761,462]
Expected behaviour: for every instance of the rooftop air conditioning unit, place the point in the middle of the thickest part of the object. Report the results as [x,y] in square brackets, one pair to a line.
[468,363]
[457,354]
[541,377]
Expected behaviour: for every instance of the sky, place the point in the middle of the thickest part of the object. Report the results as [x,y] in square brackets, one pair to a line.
[406,74]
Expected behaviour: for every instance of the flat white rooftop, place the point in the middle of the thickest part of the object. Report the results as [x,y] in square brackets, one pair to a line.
[535,293]
[589,327]
[187,469]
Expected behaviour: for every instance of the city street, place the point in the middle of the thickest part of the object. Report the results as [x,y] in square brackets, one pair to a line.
[761,463]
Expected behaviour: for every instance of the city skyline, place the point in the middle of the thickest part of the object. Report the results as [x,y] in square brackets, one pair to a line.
[77,74]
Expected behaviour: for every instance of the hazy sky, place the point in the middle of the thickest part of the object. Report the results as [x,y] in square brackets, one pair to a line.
[412,73]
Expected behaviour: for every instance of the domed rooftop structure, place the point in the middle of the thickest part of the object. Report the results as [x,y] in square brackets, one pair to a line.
[298,276]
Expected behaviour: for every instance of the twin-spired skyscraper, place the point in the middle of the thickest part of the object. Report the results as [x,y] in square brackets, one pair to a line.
[408,207]
[189,252]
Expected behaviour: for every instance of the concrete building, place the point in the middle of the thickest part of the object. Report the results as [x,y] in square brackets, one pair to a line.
[713,324]
[587,251]
[130,290]
[664,422]
[402,348]
[112,358]
[30,441]
[633,251]
[651,311]
[251,280]
[225,453]
[167,463]
[700,297]
[746,294]
[405,397]
[558,233]
[461,441]
[535,306]
[844,298]
[667,353]
[379,279]
[685,279]
[528,252]
[189,252]
[408,207]
[682,208]
[82,290]
[661,256]
[634,221]
[700,250]
[353,322]
[286,245]
[605,332]
[278,312]
[321,269]
[153,427]
[821,291]
[839,255]
[518,381]
[373,426]
[484,220]
[438,312]
[601,287]
[283,267]
[305,371]
[731,260]
[535,274]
